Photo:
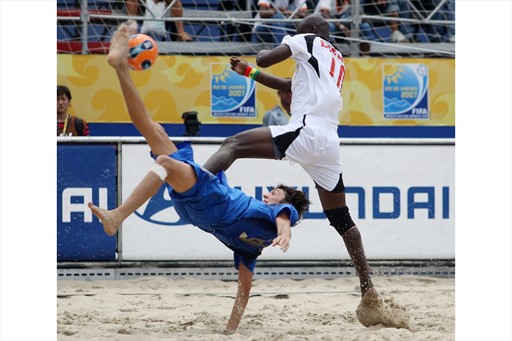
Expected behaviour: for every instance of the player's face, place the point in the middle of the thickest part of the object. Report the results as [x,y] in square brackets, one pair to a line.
[275,196]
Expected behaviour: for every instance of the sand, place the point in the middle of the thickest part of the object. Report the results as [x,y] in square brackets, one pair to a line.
[158,308]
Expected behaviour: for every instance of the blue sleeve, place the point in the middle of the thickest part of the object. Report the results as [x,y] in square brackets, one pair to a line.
[292,212]
[250,263]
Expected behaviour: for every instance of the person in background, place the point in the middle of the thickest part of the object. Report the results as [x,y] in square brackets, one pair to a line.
[68,125]
[387,8]
[133,9]
[335,9]
[279,10]
[280,114]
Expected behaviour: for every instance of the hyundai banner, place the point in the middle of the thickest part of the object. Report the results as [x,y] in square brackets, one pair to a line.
[400,196]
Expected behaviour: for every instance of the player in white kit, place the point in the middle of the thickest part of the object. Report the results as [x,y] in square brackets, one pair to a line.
[311,137]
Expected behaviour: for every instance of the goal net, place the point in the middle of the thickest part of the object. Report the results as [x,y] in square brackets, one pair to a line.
[416,28]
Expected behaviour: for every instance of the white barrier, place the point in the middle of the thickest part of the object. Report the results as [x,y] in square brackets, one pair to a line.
[401,196]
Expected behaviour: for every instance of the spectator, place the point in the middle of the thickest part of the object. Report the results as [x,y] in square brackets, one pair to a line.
[388,8]
[278,10]
[132,8]
[68,125]
[335,9]
[280,114]
[156,29]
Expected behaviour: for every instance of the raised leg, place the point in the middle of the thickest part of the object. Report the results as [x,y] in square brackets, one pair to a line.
[252,143]
[153,132]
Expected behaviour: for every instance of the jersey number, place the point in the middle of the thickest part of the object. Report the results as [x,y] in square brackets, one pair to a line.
[341,73]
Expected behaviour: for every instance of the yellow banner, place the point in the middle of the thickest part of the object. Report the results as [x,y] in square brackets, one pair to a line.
[376,91]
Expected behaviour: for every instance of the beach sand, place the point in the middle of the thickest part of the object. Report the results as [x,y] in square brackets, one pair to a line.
[153,308]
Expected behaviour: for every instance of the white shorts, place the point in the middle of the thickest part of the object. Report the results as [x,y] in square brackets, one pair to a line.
[314,145]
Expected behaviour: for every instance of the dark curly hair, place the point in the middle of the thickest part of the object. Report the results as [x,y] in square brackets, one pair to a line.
[296,198]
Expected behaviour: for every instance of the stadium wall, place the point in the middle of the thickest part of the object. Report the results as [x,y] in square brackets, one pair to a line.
[401,195]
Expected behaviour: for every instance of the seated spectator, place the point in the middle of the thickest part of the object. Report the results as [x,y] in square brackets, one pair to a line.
[132,8]
[388,8]
[335,9]
[278,9]
[340,9]
[156,29]
[280,114]
[68,125]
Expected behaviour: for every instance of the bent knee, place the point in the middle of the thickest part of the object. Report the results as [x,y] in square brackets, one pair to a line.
[340,219]
[167,162]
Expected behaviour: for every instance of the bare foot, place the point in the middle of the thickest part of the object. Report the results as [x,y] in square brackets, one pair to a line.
[374,310]
[118,54]
[107,218]
[132,27]
[371,294]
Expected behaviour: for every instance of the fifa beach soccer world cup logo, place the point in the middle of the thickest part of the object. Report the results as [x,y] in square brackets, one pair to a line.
[231,94]
[405,91]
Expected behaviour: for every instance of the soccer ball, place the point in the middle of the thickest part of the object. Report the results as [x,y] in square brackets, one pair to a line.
[142,53]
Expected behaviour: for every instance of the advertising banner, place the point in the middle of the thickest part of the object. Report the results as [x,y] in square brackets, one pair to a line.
[232,95]
[400,196]
[376,91]
[85,173]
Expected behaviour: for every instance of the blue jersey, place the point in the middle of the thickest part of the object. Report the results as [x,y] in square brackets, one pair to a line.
[242,223]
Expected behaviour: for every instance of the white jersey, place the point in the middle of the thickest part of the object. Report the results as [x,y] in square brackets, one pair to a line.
[311,137]
[318,78]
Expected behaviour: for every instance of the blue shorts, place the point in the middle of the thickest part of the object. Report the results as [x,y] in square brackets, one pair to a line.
[209,192]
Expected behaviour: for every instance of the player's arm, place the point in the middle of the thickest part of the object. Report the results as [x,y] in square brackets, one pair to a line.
[240,66]
[284,233]
[266,58]
[242,297]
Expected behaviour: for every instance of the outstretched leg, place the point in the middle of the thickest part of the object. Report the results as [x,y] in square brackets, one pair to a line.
[181,176]
[153,132]
[253,143]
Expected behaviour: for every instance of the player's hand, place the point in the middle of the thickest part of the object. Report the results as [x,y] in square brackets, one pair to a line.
[238,65]
[283,241]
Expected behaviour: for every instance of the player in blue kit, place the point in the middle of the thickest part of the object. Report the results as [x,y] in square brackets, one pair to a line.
[242,223]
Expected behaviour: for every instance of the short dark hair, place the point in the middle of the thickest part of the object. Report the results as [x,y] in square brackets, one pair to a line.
[63,90]
[296,198]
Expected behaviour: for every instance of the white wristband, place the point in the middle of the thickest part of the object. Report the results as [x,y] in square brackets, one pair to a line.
[159,171]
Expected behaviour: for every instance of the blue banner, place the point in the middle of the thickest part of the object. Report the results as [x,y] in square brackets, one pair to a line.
[405,91]
[85,173]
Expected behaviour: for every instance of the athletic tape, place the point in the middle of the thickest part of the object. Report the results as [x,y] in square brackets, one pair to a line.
[159,171]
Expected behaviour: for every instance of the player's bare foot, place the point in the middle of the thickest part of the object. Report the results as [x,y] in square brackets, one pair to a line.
[374,310]
[107,218]
[371,294]
[118,53]
[132,27]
